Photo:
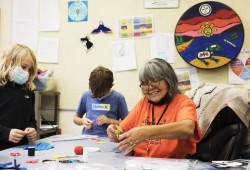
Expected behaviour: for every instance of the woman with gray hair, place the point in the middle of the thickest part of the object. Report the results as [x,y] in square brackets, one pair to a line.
[163,123]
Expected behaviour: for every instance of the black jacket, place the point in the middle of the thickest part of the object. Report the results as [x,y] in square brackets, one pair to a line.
[16,111]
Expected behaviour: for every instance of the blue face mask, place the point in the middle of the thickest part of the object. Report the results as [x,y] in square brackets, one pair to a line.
[20,76]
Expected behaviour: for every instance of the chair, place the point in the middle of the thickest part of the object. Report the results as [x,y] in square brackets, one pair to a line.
[225,140]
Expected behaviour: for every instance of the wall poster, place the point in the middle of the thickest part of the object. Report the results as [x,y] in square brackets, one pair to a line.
[239,68]
[135,27]
[78,11]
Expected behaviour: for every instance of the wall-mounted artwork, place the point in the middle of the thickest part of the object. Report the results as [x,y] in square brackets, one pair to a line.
[135,27]
[239,68]
[78,11]
[209,35]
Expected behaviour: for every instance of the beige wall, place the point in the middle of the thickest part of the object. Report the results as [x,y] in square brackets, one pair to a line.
[75,64]
[5,26]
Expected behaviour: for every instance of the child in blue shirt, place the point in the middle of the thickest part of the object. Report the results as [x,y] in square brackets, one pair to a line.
[101,105]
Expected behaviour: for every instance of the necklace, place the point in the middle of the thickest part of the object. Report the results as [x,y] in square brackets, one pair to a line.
[153,123]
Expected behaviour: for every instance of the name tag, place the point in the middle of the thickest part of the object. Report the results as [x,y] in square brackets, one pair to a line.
[101,107]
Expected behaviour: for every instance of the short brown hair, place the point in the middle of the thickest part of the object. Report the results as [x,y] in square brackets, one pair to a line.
[100,81]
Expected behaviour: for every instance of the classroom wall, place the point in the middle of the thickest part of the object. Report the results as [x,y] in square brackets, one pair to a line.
[74,66]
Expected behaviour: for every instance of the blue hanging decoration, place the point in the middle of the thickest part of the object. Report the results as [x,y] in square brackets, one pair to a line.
[102,28]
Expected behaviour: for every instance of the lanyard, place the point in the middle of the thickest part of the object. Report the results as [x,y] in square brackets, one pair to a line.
[153,119]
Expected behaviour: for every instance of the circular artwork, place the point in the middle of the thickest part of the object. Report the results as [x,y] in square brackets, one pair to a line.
[78,11]
[240,69]
[209,35]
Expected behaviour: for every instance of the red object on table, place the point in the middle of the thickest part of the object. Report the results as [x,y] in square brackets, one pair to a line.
[32,161]
[78,150]
[15,154]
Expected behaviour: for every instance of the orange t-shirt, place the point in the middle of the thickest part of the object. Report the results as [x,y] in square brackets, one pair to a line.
[180,108]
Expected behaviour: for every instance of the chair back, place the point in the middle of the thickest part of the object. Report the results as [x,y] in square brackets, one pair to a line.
[225,140]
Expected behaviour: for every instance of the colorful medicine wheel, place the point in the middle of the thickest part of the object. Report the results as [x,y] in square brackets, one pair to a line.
[209,35]
[241,69]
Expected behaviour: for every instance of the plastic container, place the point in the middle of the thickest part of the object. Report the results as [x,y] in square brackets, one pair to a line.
[40,83]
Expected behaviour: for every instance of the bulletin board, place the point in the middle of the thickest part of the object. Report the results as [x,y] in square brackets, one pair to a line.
[72,71]
[74,64]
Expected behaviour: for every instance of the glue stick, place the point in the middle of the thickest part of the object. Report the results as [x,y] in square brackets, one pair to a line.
[85,154]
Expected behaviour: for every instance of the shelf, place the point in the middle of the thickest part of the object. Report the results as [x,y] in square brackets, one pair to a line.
[46,111]
[46,93]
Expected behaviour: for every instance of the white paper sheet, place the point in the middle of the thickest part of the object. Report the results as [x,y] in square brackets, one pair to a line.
[139,163]
[123,55]
[25,23]
[162,46]
[49,19]
[59,138]
[161,3]
[48,50]
[47,127]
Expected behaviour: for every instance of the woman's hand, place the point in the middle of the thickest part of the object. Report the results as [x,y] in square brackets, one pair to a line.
[16,135]
[113,132]
[87,123]
[31,134]
[131,138]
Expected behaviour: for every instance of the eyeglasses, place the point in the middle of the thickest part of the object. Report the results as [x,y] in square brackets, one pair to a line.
[154,84]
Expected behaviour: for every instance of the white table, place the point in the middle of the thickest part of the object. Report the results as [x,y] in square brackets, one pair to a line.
[107,158]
